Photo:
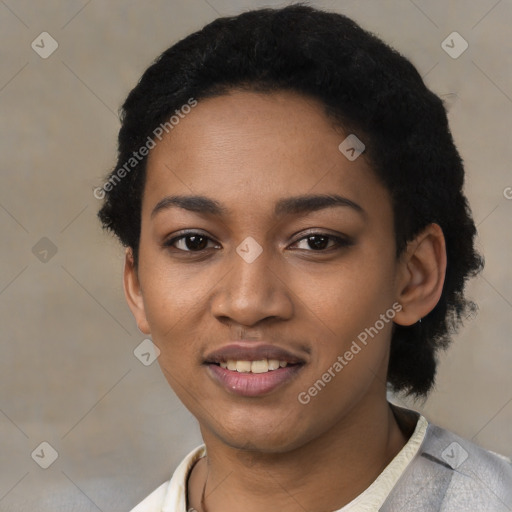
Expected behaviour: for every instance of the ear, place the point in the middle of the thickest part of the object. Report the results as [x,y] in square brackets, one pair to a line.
[133,292]
[421,275]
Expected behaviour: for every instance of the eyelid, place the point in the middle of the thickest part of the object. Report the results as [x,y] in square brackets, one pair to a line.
[322,232]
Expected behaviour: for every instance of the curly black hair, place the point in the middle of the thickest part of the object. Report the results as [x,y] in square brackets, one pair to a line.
[369,89]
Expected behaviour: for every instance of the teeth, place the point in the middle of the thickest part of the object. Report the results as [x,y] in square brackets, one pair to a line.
[261,366]
[243,366]
[273,364]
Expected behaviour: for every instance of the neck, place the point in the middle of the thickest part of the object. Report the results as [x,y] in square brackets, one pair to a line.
[323,474]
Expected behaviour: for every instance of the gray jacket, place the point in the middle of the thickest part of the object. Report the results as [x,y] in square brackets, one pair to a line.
[450,474]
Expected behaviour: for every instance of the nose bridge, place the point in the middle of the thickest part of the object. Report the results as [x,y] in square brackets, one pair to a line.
[251,266]
[250,291]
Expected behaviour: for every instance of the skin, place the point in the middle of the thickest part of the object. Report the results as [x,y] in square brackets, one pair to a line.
[247,150]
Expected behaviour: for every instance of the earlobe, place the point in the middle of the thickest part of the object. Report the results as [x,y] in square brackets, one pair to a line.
[133,292]
[422,274]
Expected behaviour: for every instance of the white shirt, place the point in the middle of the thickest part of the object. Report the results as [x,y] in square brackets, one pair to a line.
[171,496]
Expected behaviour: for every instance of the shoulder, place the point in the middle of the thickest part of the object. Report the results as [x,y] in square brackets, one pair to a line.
[465,457]
[451,473]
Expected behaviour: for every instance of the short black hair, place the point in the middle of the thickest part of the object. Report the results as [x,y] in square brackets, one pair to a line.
[369,89]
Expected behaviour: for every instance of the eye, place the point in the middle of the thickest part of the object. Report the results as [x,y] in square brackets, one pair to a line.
[318,242]
[190,241]
[193,241]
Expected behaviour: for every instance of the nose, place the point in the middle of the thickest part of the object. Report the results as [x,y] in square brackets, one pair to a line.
[252,291]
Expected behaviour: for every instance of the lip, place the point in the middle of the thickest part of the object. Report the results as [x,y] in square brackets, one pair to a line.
[248,351]
[252,384]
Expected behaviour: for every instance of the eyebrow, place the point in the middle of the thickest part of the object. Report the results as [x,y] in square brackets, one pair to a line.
[291,205]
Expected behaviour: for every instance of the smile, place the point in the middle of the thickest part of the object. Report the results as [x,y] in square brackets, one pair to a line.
[253,378]
[260,366]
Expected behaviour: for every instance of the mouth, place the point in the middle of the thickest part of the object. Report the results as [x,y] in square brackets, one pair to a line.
[252,370]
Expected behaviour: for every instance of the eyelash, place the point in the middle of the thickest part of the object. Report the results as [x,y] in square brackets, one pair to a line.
[341,242]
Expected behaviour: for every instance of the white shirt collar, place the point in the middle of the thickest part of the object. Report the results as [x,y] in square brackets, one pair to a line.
[171,496]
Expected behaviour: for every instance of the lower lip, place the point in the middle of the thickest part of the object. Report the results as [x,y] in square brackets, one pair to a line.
[253,384]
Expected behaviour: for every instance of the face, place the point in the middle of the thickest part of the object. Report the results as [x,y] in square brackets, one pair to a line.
[262,270]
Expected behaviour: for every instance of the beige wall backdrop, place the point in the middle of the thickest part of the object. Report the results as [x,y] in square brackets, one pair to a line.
[68,373]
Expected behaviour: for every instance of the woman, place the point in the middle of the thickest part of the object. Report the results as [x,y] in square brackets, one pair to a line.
[297,242]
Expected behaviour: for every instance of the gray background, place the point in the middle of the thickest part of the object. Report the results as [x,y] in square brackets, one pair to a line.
[68,374]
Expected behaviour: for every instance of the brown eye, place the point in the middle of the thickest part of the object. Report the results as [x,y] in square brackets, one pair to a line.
[319,242]
[189,242]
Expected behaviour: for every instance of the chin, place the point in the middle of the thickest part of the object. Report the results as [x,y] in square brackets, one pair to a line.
[269,438]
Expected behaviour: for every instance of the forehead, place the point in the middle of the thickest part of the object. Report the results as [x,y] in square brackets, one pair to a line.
[253,148]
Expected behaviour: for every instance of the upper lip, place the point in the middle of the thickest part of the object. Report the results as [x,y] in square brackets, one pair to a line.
[251,352]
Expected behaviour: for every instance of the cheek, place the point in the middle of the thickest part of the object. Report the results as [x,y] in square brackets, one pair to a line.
[351,343]
[344,305]
[348,296]
[169,290]
[171,301]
